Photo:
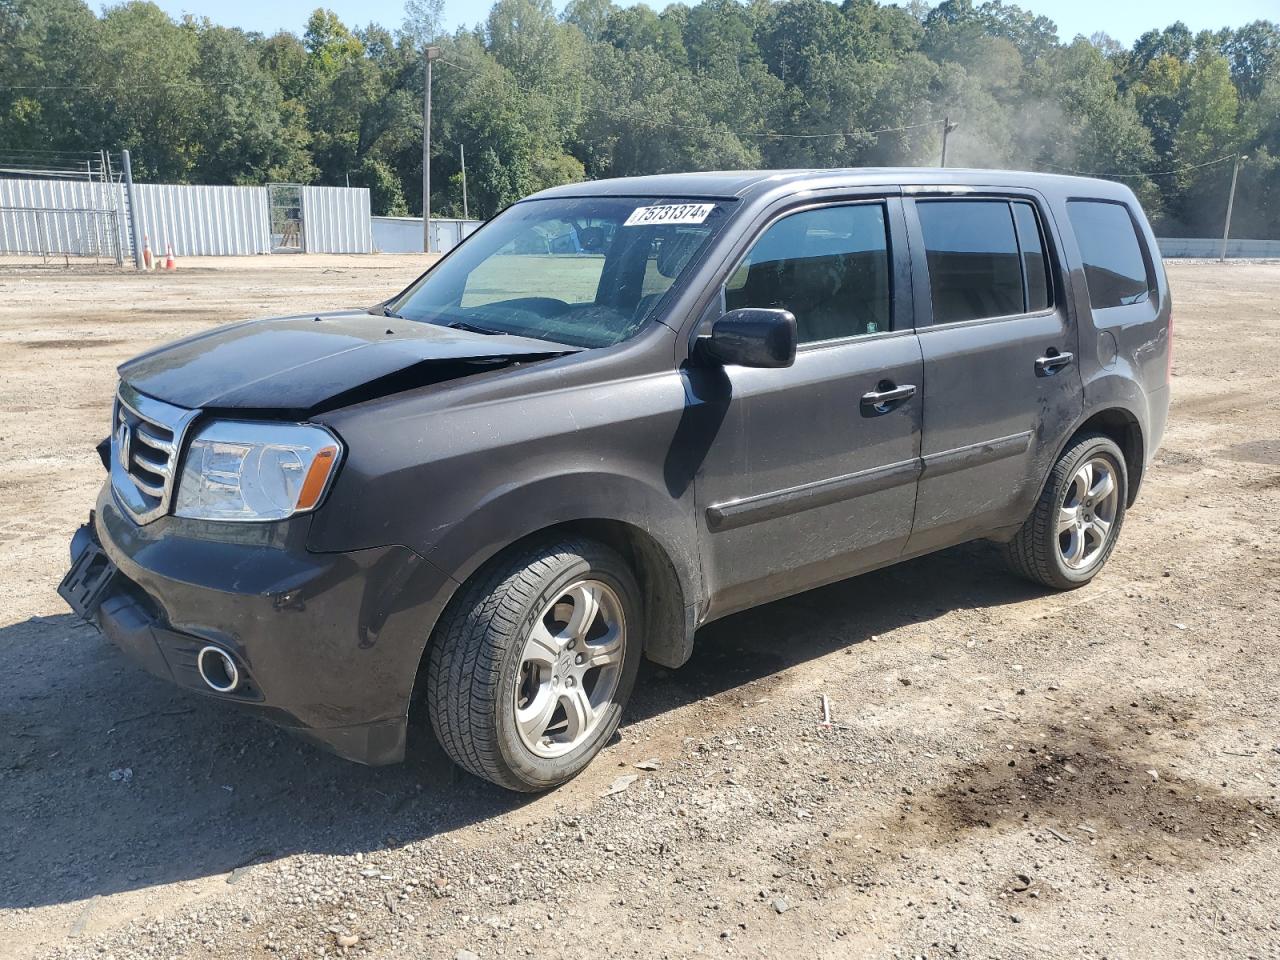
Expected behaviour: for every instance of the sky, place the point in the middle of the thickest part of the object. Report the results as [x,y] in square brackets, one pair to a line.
[1124,20]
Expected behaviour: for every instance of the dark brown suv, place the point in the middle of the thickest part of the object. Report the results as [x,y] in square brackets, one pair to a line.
[618,411]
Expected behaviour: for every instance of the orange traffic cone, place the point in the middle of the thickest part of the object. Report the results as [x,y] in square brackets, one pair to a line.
[169,262]
[148,261]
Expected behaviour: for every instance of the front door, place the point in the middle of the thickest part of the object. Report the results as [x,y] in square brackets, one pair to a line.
[1001,385]
[812,473]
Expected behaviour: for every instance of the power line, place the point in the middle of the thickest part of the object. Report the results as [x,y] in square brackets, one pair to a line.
[1141,176]
[168,83]
[14,151]
[114,87]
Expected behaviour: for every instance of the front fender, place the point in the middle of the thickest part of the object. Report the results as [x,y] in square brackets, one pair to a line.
[457,475]
[512,512]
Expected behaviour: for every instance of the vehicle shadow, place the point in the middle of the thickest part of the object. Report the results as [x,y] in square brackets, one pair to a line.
[761,643]
[112,780]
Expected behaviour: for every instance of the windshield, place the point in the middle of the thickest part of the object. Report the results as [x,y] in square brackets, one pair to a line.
[584,271]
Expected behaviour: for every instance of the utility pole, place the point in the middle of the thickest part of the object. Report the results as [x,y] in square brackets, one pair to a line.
[1231,202]
[430,54]
[462,154]
[133,208]
[947,129]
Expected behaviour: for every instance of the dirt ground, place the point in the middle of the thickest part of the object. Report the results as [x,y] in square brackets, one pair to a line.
[1010,773]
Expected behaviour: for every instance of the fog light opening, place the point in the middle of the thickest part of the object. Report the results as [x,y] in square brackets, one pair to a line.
[218,670]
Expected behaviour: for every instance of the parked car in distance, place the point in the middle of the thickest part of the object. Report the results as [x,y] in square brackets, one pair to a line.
[478,504]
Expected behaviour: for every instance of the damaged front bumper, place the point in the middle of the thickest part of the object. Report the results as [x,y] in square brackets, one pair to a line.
[325,644]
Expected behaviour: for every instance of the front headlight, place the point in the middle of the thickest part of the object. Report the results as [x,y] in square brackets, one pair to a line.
[242,470]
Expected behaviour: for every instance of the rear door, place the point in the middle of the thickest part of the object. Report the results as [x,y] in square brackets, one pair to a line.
[998,340]
[809,478]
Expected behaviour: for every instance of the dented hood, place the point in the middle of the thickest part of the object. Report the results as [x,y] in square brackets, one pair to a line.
[304,362]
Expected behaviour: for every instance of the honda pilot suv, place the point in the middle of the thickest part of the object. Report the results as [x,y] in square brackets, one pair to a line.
[619,411]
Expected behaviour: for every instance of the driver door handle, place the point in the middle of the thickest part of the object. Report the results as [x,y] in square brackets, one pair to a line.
[886,396]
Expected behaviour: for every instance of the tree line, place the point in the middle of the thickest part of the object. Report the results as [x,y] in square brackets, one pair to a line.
[539,99]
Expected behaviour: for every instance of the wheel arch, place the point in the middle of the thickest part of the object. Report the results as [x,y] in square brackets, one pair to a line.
[1123,427]
[666,599]
[670,615]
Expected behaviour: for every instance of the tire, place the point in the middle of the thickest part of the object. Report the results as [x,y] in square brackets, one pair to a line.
[480,669]
[1042,551]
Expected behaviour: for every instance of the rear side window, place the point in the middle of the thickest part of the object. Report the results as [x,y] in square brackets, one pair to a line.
[972,252]
[1114,266]
[829,267]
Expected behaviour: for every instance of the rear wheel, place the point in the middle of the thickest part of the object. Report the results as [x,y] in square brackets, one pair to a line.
[1071,532]
[532,664]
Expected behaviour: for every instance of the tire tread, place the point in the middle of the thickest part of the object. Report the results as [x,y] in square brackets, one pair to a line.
[1031,551]
[471,642]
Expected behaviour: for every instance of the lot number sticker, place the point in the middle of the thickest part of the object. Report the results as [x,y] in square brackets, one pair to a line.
[669,213]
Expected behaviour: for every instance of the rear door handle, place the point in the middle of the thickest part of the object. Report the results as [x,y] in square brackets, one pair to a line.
[1051,363]
[886,396]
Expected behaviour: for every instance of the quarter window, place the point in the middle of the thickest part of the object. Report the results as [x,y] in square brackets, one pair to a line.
[972,252]
[829,267]
[1035,265]
[1114,267]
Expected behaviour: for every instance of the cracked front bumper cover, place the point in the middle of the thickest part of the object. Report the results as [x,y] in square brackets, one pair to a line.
[328,644]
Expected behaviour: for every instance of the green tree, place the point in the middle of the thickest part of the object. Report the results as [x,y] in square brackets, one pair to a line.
[1209,124]
[1160,96]
[244,132]
[610,90]
[44,45]
[1254,54]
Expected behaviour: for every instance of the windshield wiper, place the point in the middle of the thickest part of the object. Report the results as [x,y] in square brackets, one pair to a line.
[471,328]
[388,312]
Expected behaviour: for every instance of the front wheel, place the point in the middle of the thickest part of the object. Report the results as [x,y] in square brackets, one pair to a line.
[532,664]
[1075,524]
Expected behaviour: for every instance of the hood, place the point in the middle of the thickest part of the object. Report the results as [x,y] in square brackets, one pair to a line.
[312,360]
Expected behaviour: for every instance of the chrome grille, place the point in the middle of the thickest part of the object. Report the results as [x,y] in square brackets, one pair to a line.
[146,437]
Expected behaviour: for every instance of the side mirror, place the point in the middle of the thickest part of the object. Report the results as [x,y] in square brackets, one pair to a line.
[751,337]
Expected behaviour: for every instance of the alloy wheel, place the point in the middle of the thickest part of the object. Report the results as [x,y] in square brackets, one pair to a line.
[1087,513]
[570,668]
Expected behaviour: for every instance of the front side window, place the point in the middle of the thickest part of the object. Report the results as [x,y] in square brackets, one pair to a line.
[1114,267]
[829,267]
[583,271]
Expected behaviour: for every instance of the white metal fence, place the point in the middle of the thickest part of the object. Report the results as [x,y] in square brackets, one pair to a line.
[404,234]
[72,218]
[336,220]
[203,221]
[77,218]
[1175,247]
[88,218]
